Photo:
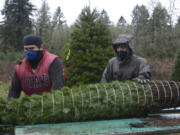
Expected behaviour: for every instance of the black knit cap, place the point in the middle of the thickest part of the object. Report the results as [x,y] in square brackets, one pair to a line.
[32,40]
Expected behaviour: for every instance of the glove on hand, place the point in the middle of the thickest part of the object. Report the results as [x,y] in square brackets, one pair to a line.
[142,80]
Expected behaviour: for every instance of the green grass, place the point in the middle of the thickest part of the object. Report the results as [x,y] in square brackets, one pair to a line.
[4,89]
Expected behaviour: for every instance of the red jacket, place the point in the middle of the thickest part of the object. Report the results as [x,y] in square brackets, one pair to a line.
[38,81]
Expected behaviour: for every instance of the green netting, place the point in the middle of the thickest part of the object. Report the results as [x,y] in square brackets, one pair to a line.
[91,102]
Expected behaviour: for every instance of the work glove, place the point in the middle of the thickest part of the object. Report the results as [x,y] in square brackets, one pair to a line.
[139,80]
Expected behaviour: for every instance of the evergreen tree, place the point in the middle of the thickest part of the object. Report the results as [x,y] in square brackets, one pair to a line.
[122,25]
[43,24]
[58,18]
[122,21]
[140,23]
[161,31]
[17,23]
[177,33]
[104,16]
[90,49]
[60,37]
[60,31]
[176,69]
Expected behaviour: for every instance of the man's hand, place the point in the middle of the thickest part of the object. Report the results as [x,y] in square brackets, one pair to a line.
[141,80]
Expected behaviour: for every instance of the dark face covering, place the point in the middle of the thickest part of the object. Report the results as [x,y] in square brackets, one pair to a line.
[34,63]
[122,55]
[32,56]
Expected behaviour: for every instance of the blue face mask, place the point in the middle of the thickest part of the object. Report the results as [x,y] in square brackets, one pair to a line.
[30,55]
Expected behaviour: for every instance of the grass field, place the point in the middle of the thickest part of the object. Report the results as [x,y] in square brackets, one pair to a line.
[4,88]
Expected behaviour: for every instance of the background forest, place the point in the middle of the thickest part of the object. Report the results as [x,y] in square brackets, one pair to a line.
[85,46]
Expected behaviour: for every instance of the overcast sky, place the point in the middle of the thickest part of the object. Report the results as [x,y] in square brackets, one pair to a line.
[115,8]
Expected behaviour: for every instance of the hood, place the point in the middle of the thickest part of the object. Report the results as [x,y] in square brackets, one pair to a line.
[124,39]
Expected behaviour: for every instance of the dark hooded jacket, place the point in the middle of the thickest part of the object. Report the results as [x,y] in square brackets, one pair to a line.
[130,68]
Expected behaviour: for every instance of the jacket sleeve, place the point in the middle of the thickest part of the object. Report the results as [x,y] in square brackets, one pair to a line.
[107,74]
[15,88]
[56,72]
[144,70]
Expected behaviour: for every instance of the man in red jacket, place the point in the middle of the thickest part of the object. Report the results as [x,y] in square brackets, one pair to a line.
[40,71]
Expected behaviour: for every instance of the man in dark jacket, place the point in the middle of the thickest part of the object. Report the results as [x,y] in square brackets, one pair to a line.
[126,65]
[40,71]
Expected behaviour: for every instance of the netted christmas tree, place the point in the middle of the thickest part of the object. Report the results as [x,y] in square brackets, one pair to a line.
[91,102]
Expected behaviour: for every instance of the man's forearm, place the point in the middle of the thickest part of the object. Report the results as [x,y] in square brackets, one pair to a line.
[15,88]
[57,74]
